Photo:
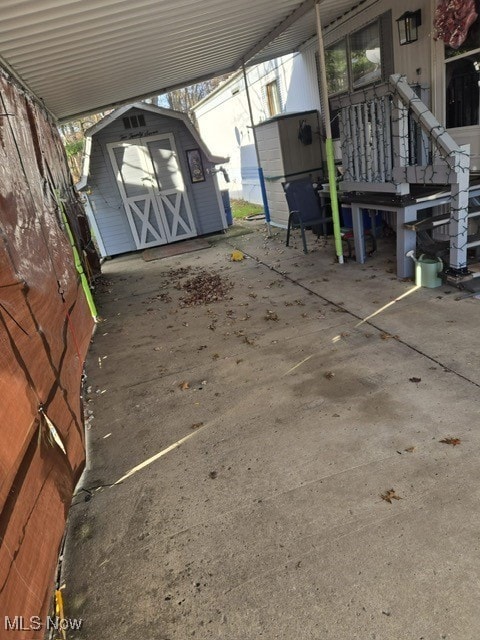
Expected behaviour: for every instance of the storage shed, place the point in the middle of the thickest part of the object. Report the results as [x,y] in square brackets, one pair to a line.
[149,180]
[288,147]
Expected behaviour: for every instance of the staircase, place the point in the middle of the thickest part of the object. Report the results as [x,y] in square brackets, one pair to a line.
[389,141]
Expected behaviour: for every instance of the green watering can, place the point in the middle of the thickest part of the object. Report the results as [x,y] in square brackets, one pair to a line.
[427,271]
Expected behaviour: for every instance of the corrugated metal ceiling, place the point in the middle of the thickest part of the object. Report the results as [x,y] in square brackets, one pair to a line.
[80,56]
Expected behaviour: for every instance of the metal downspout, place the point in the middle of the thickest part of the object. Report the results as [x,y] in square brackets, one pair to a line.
[260,170]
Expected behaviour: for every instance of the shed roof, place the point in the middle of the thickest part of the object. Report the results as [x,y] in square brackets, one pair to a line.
[114,115]
[82,56]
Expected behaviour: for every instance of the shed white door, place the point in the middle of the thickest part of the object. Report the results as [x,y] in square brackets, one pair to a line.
[152,189]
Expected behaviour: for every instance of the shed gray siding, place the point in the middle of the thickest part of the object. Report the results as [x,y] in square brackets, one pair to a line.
[107,204]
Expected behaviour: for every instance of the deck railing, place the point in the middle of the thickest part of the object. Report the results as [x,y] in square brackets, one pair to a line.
[390,139]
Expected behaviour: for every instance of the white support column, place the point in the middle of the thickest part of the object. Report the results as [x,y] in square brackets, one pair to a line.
[458,228]
[406,241]
[358,233]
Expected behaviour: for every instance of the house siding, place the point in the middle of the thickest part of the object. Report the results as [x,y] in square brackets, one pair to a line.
[224,119]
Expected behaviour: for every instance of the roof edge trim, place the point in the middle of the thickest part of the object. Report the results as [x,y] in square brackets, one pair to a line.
[295,15]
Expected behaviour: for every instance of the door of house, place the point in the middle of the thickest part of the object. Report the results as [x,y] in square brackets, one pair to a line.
[153,191]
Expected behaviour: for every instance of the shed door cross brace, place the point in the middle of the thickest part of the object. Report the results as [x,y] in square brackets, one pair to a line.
[172,219]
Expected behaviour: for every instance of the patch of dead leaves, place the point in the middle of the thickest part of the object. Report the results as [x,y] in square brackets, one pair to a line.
[204,288]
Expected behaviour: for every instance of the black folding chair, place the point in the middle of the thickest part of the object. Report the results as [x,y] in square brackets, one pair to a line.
[306,211]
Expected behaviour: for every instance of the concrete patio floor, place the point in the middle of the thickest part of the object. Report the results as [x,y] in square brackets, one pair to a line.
[258,511]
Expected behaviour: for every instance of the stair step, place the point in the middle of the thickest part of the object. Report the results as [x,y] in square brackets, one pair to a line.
[474,243]
[437,221]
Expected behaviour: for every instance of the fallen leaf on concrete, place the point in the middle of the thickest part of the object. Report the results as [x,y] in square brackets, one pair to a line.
[452,441]
[178,273]
[271,315]
[197,425]
[390,495]
[415,379]
[387,336]
[410,449]
[329,375]
[213,475]
[184,385]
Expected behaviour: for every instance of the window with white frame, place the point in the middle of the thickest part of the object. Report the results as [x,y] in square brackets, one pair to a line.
[365,57]
[273,98]
[360,58]
[336,63]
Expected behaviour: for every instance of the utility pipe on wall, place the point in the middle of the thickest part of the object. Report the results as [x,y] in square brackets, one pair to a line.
[255,142]
[332,181]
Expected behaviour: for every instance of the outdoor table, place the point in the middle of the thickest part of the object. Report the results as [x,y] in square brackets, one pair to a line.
[405,208]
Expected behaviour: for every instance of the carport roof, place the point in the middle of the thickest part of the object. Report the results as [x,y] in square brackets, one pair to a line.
[82,56]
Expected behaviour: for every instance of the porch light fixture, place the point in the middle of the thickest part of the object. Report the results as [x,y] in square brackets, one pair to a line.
[408,24]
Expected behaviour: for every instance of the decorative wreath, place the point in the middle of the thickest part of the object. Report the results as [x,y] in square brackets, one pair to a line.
[453,19]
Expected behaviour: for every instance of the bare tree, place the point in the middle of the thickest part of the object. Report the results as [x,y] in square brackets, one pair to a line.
[187,97]
[73,136]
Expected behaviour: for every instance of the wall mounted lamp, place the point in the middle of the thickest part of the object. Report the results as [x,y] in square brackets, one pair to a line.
[408,24]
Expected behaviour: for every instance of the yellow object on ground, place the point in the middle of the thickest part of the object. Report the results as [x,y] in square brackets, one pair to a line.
[237,256]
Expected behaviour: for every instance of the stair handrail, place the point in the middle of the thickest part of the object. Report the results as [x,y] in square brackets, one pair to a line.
[457,158]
